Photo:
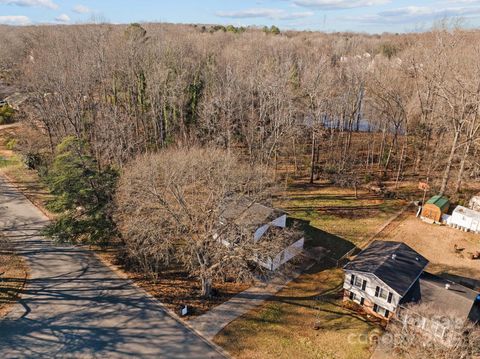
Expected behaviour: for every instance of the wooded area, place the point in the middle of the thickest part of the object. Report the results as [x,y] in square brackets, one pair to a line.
[351,107]
[108,101]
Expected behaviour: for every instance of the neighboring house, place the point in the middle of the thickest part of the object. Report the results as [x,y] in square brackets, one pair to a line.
[465,219]
[258,220]
[381,275]
[441,296]
[386,276]
[435,208]
[475,203]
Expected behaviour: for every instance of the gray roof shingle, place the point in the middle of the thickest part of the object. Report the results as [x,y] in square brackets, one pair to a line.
[394,263]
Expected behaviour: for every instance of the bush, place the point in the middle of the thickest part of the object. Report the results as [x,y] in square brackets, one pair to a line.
[33,161]
[6,114]
[11,143]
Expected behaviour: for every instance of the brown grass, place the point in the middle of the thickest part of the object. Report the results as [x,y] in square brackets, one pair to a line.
[436,243]
[13,274]
[284,326]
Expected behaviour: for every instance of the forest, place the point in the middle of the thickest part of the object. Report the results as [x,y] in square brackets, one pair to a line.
[353,109]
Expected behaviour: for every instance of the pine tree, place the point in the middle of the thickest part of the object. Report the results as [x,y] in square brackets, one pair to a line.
[83,195]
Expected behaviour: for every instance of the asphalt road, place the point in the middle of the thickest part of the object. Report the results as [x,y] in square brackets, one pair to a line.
[75,307]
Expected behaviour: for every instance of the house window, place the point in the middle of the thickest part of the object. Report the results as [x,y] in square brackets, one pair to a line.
[358,282]
[352,296]
[362,301]
[384,294]
[380,310]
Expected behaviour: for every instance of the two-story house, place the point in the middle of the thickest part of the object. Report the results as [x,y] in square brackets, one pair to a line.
[381,275]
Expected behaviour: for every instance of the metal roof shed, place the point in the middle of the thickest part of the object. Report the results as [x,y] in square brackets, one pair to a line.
[435,208]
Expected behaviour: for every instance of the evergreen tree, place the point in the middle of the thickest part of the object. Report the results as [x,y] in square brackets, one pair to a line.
[83,195]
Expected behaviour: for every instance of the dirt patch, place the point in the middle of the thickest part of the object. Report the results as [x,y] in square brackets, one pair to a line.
[13,274]
[174,288]
[437,244]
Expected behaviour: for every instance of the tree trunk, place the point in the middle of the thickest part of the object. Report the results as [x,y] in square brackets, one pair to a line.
[312,169]
[462,166]
[448,168]
[206,287]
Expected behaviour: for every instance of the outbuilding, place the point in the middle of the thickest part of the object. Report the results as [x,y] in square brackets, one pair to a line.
[435,208]
[465,219]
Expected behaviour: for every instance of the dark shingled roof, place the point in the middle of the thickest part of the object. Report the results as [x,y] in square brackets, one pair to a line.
[457,300]
[394,263]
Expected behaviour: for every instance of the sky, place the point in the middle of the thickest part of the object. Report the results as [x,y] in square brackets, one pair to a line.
[372,16]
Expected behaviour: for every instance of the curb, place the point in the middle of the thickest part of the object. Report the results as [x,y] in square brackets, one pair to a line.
[168,311]
[11,182]
[117,271]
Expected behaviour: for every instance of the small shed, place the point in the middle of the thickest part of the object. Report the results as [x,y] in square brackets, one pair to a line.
[475,203]
[465,219]
[435,208]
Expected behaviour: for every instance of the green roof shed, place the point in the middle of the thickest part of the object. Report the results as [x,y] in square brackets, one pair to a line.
[435,208]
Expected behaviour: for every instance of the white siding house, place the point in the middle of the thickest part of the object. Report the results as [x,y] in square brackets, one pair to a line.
[367,290]
[260,219]
[465,219]
[380,276]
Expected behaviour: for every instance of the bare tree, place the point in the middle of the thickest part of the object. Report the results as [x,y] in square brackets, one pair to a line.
[422,331]
[169,208]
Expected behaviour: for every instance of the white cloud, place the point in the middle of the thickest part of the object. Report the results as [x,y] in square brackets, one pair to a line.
[82,9]
[31,3]
[339,4]
[411,14]
[15,20]
[63,18]
[273,14]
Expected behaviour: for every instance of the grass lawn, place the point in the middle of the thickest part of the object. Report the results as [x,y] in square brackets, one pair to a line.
[13,273]
[338,214]
[284,326]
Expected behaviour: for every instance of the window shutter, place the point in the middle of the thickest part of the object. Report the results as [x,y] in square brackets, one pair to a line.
[375,308]
[352,279]
[390,296]
[377,291]
[364,284]
[362,301]
[387,312]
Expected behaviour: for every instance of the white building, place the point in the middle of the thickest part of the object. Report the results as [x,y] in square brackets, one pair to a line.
[386,276]
[381,276]
[260,219]
[465,219]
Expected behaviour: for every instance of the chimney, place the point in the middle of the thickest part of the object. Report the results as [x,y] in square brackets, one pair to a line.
[394,256]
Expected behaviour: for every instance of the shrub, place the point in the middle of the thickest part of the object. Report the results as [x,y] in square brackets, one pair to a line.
[6,114]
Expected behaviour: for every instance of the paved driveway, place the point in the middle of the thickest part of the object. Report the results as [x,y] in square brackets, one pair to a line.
[75,307]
